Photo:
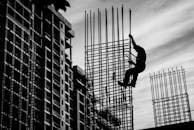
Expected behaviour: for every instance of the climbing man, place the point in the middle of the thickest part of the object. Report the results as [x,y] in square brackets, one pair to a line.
[139,66]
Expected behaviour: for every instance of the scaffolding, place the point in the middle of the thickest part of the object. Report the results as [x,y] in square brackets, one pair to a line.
[170,98]
[107,53]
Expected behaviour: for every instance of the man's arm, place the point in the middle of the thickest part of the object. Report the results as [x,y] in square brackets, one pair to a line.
[133,41]
[131,62]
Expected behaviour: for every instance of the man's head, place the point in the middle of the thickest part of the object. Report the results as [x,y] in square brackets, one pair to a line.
[130,36]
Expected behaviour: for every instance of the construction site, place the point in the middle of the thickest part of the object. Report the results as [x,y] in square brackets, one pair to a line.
[41,87]
[107,56]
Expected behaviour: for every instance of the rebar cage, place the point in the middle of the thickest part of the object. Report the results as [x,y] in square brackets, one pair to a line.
[170,97]
[106,60]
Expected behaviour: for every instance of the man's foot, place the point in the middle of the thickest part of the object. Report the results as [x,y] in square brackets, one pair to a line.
[132,85]
[122,84]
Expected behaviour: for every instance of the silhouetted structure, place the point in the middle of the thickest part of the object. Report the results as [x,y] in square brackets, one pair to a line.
[139,66]
[35,67]
[170,97]
[81,101]
[59,4]
[106,62]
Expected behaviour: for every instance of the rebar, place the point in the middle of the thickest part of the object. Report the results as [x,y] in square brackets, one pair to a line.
[170,97]
[105,65]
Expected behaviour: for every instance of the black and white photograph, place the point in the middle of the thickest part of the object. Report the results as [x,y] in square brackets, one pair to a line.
[96,64]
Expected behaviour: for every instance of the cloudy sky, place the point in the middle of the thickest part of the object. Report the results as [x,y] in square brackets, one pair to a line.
[165,28]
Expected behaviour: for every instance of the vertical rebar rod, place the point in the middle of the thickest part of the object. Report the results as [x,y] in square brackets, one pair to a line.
[91,32]
[101,67]
[167,96]
[184,79]
[174,81]
[120,72]
[122,20]
[107,59]
[157,96]
[85,43]
[99,84]
[173,93]
[130,89]
[160,76]
[130,39]
[91,44]
[113,74]
[165,83]
[177,93]
[163,95]
[91,37]
[180,88]
[118,39]
[116,69]
[118,59]
[185,86]
[152,91]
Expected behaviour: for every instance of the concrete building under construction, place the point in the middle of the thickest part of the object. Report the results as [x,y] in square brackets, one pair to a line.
[35,67]
[80,101]
[82,114]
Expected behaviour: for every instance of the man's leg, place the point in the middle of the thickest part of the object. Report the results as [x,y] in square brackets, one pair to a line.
[128,73]
[133,81]
[137,70]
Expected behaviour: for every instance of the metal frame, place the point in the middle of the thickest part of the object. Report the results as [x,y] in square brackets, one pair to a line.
[105,65]
[170,98]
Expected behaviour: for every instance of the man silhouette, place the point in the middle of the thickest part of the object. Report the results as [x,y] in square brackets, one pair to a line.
[139,65]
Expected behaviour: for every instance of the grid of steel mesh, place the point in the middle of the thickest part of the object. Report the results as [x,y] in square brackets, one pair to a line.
[170,97]
[105,64]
